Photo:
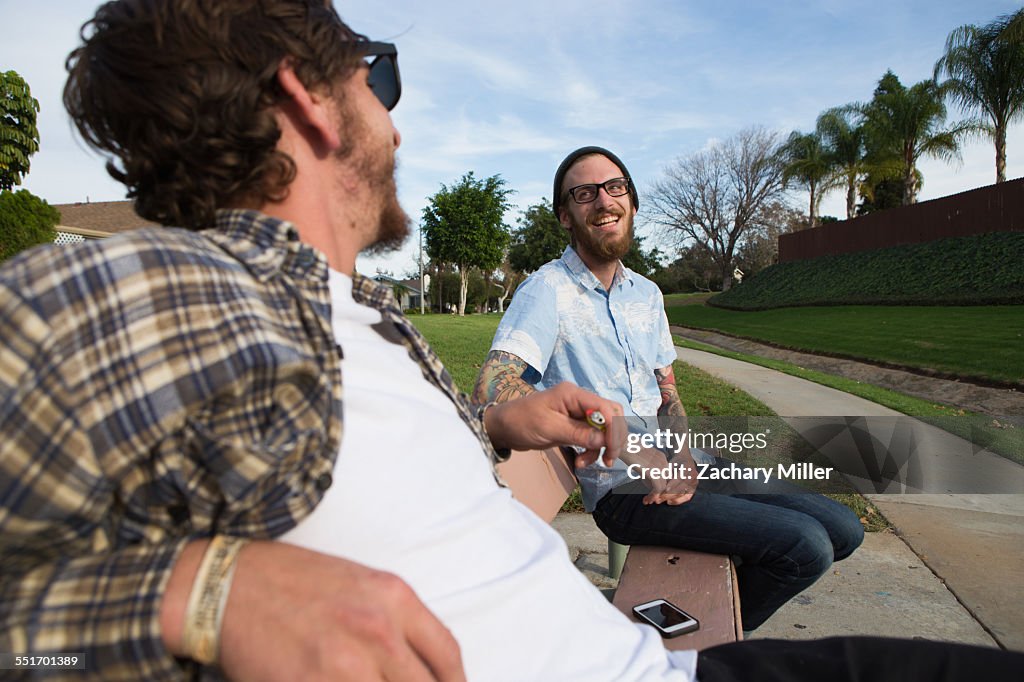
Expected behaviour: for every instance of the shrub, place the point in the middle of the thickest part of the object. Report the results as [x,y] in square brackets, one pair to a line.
[979,270]
[25,221]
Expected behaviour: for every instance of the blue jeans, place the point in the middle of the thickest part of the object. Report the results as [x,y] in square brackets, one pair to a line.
[783,540]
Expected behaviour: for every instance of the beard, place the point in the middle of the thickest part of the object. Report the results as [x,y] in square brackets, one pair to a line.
[606,247]
[393,223]
[376,164]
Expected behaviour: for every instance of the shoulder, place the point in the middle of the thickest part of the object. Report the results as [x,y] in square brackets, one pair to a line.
[643,286]
[546,279]
[156,248]
[104,263]
[152,267]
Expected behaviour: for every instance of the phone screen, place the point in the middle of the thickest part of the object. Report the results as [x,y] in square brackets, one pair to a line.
[665,615]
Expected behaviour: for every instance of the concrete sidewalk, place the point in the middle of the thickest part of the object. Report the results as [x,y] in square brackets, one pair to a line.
[953,571]
[884,589]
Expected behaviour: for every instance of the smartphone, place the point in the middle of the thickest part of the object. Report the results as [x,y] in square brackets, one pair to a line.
[669,619]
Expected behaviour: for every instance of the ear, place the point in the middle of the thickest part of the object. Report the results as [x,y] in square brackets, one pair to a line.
[311,108]
[563,217]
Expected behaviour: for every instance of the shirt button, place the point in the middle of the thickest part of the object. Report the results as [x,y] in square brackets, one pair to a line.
[179,514]
[323,482]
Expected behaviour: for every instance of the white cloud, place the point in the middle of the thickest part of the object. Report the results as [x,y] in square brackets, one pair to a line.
[512,87]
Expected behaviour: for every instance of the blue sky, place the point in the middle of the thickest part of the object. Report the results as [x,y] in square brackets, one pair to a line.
[511,87]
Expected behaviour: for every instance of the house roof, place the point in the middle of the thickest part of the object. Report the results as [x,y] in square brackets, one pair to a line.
[107,217]
[413,285]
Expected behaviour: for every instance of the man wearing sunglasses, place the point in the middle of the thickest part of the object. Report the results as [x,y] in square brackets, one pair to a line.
[223,453]
[221,449]
[587,319]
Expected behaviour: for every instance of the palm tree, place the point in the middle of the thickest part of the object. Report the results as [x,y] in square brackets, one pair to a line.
[985,70]
[809,161]
[844,137]
[1013,26]
[904,125]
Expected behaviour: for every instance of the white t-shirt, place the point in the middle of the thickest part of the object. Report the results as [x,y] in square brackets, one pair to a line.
[414,495]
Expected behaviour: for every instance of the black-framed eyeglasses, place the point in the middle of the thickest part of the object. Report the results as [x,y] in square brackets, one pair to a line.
[584,194]
[384,78]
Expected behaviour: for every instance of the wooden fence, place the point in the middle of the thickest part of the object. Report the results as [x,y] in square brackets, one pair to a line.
[996,208]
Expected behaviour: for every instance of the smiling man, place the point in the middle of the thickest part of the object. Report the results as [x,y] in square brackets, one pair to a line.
[588,319]
[226,454]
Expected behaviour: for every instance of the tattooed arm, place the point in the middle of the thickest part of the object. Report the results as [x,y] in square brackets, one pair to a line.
[672,415]
[501,379]
[671,406]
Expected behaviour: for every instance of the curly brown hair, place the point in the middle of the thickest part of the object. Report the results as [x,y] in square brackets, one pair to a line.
[179,95]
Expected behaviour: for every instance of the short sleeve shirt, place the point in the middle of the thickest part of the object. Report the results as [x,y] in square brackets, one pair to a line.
[567,327]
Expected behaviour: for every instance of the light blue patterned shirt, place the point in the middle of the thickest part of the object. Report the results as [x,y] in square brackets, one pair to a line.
[566,327]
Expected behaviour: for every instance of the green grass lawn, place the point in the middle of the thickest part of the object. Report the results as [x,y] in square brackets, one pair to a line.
[970,341]
[996,436]
[462,344]
[697,298]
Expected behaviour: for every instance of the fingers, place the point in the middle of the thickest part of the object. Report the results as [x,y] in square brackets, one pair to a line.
[424,648]
[297,614]
[615,436]
[435,647]
[577,402]
[585,459]
[671,499]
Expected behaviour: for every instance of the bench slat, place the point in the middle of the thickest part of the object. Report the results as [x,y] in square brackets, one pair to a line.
[703,585]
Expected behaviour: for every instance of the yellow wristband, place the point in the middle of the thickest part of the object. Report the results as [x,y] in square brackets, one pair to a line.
[208,597]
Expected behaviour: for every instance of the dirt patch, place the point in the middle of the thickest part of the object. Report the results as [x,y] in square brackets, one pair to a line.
[996,402]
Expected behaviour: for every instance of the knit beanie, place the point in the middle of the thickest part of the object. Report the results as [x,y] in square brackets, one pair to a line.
[563,168]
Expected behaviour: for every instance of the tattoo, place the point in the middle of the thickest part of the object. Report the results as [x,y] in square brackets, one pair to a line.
[670,403]
[501,379]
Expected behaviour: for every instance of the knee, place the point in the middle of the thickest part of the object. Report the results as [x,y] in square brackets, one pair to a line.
[847,535]
[814,553]
[800,556]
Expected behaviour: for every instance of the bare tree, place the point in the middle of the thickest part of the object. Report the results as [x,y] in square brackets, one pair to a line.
[760,247]
[716,196]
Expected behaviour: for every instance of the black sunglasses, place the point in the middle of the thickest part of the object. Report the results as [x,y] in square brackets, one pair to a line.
[383,79]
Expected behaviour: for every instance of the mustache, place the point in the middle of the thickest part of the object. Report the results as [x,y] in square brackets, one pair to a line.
[604,214]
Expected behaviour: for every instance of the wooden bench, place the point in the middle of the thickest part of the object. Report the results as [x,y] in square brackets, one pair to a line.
[704,585]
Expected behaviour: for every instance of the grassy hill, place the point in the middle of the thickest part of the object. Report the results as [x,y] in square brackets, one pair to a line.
[980,270]
[972,342]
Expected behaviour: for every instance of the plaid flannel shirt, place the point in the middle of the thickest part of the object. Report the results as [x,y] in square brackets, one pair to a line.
[155,387]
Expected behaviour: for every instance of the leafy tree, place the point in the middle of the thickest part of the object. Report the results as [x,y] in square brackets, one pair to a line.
[1014,29]
[810,162]
[538,239]
[985,70]
[463,225]
[694,270]
[904,125]
[714,197]
[443,291]
[19,138]
[642,262]
[25,221]
[844,137]
[880,192]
